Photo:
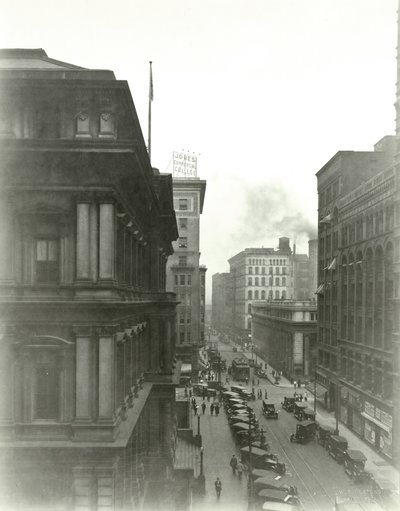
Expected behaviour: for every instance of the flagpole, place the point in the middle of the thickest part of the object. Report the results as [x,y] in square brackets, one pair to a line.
[150,100]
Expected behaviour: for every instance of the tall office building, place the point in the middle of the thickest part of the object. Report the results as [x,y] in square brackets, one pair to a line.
[185,275]
[358,285]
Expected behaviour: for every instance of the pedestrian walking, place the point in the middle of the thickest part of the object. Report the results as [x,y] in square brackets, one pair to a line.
[265,394]
[233,463]
[294,384]
[218,487]
[239,469]
[305,396]
[203,407]
[212,408]
[195,409]
[217,409]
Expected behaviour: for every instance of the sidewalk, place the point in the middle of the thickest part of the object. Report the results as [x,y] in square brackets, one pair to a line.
[218,445]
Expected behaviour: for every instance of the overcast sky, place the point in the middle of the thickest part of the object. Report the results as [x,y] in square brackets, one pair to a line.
[266,91]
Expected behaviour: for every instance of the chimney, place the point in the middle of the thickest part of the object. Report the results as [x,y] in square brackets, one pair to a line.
[284,244]
[294,248]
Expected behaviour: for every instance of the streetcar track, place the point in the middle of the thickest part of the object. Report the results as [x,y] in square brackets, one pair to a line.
[285,452]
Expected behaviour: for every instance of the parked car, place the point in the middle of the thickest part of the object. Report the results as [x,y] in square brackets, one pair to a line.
[299,410]
[262,459]
[354,466]
[337,447]
[288,403]
[305,432]
[323,434]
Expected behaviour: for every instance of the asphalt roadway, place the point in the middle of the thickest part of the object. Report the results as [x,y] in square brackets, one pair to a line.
[318,477]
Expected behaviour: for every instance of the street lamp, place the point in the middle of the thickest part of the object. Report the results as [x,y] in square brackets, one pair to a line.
[198,425]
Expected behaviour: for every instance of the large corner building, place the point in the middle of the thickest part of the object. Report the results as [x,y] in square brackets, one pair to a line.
[87,327]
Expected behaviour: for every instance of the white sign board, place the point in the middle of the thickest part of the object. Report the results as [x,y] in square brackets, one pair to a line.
[184,164]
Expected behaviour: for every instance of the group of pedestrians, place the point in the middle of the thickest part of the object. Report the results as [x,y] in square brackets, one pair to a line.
[214,407]
[237,466]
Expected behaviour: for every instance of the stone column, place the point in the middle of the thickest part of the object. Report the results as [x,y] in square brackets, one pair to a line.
[84,379]
[93,241]
[168,351]
[107,242]
[6,380]
[106,376]
[6,252]
[82,240]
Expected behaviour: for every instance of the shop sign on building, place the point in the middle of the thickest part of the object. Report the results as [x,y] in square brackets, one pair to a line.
[378,414]
[184,164]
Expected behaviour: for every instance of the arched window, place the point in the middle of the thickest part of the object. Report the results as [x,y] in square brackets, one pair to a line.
[263,281]
[283,281]
[277,295]
[250,281]
[250,270]
[283,295]
[256,295]
[250,294]
[249,308]
[256,281]
[277,281]
[262,295]
[270,281]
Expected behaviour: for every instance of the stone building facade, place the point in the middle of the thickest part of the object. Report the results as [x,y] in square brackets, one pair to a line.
[286,333]
[358,272]
[87,327]
[221,315]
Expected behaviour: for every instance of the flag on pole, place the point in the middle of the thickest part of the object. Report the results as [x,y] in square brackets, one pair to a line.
[151,91]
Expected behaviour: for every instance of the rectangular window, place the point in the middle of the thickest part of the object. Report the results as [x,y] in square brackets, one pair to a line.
[182,280]
[176,280]
[182,223]
[188,335]
[182,242]
[189,280]
[181,318]
[182,260]
[47,267]
[181,337]
[203,280]
[46,393]
[183,204]
[188,318]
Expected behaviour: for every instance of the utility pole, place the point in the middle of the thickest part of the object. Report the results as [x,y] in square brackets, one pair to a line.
[251,422]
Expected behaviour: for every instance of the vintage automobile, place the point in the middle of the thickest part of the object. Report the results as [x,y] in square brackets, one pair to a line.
[242,437]
[385,493]
[305,432]
[237,388]
[246,394]
[279,506]
[269,410]
[299,410]
[288,403]
[337,447]
[323,433]
[308,414]
[262,459]
[200,389]
[354,466]
[383,488]
[278,495]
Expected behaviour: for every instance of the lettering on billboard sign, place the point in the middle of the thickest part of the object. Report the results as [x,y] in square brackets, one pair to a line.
[184,164]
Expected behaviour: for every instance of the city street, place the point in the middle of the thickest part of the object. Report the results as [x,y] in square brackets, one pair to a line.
[318,477]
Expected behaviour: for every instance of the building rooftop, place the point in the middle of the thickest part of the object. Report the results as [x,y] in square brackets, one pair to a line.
[34,63]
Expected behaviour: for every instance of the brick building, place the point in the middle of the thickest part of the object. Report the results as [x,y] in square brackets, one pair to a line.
[358,272]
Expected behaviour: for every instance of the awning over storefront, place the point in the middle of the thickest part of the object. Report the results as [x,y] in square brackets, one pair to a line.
[320,390]
[375,421]
[186,369]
